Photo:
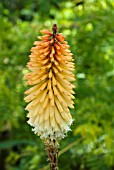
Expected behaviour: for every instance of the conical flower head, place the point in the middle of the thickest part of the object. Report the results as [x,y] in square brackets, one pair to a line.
[51,94]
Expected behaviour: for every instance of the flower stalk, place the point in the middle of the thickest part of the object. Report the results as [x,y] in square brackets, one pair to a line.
[51,95]
[52,154]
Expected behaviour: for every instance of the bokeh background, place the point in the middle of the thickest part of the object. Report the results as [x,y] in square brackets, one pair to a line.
[89,29]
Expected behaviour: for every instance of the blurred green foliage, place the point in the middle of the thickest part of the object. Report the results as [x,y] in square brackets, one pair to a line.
[89,28]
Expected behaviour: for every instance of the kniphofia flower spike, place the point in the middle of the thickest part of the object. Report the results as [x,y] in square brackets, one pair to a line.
[50,97]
